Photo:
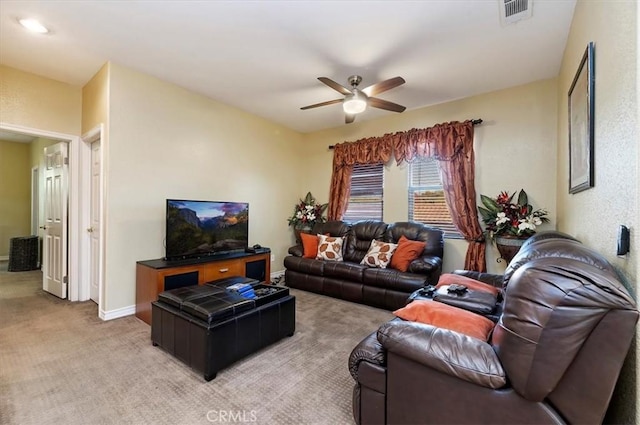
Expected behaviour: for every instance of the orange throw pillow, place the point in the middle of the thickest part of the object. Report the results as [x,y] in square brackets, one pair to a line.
[474,285]
[405,253]
[309,245]
[445,316]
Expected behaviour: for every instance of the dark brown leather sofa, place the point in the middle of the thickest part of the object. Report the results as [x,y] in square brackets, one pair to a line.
[349,280]
[554,357]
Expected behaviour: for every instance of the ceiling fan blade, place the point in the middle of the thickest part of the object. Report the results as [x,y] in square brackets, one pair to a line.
[328,102]
[349,118]
[384,104]
[337,87]
[383,86]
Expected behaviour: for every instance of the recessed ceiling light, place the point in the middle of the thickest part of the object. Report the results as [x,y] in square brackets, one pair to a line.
[33,25]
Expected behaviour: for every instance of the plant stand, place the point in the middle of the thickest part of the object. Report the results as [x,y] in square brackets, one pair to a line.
[508,246]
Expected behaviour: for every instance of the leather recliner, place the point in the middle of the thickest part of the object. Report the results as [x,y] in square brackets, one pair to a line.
[554,356]
[501,280]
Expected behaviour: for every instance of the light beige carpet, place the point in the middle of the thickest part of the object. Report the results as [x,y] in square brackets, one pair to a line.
[60,364]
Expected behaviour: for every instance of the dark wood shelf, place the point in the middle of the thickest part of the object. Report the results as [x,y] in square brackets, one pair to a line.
[155,276]
[161,263]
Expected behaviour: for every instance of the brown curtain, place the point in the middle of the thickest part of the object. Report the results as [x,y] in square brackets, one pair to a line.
[452,145]
[373,150]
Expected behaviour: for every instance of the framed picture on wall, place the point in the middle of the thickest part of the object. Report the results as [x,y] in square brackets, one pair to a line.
[581,129]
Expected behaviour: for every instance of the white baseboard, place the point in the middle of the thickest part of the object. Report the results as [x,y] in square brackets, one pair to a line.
[117,313]
[274,275]
[4,258]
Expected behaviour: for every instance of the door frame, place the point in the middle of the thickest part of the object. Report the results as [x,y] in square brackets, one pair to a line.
[76,256]
[35,200]
[88,138]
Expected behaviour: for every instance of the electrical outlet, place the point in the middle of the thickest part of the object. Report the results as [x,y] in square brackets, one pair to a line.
[273,258]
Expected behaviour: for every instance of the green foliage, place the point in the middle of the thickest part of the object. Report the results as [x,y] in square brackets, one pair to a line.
[502,216]
[307,212]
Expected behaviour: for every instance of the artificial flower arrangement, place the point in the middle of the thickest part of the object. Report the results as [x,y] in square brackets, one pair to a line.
[503,217]
[307,212]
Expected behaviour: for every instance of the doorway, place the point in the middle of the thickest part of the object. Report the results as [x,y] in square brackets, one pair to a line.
[76,256]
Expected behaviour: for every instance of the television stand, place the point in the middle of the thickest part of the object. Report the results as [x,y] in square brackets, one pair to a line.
[155,276]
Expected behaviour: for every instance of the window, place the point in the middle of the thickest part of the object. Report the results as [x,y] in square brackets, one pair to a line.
[426,197]
[365,201]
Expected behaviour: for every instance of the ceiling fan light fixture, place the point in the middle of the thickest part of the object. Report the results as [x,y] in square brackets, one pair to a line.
[33,25]
[355,103]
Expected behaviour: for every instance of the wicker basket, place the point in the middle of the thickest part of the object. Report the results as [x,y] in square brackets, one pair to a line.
[23,254]
[508,246]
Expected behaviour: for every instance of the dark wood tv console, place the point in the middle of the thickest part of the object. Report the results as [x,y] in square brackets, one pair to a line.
[155,276]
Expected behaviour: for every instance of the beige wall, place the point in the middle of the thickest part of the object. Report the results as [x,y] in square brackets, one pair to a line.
[29,100]
[15,193]
[95,101]
[594,215]
[515,148]
[166,142]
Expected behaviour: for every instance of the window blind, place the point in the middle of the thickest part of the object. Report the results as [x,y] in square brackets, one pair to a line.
[365,200]
[426,197]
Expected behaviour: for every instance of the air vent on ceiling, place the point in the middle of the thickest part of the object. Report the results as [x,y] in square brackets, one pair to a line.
[514,10]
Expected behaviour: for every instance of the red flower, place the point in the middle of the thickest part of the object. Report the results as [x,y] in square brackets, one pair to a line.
[503,198]
[502,216]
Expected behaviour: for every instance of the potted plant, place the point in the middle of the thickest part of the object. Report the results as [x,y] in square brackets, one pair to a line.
[509,223]
[306,213]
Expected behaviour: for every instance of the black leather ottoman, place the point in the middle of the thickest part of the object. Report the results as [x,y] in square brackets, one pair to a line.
[479,303]
[209,328]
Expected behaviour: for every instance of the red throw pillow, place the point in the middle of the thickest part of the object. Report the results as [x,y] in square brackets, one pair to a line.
[309,245]
[475,285]
[447,317]
[405,253]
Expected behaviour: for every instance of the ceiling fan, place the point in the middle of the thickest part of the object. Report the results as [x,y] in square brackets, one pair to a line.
[355,100]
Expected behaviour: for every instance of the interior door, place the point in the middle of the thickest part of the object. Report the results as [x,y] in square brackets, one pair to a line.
[54,263]
[94,229]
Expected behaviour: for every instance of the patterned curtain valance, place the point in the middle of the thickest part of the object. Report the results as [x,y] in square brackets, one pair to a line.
[371,150]
[442,141]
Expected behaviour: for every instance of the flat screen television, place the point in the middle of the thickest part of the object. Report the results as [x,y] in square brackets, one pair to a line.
[199,228]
